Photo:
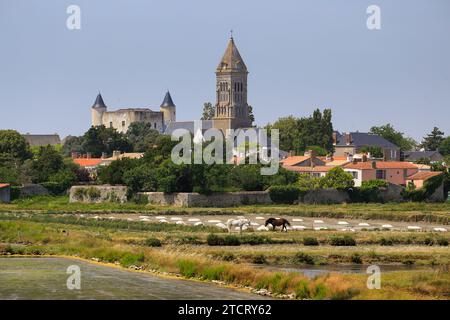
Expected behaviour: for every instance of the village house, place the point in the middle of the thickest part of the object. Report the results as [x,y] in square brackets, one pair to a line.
[395,172]
[432,156]
[352,143]
[5,192]
[419,178]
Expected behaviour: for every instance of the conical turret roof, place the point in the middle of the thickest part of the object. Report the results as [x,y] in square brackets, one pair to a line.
[167,102]
[99,102]
[232,60]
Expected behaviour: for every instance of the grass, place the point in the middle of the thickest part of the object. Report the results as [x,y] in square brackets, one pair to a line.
[113,242]
[409,211]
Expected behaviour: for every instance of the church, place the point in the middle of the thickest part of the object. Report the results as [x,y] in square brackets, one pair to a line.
[231,107]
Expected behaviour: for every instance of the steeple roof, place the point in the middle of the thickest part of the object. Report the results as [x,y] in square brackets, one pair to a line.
[167,102]
[99,102]
[232,60]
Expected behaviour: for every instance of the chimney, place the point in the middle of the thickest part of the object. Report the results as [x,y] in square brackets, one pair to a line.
[374,164]
[364,157]
[348,138]
[349,157]
[104,156]
[116,153]
[334,137]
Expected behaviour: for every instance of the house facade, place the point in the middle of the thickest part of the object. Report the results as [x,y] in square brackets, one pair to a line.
[353,142]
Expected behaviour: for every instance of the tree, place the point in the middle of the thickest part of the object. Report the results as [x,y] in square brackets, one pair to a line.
[388,132]
[375,151]
[72,144]
[47,163]
[15,145]
[99,139]
[114,173]
[250,114]
[444,147]
[337,178]
[142,136]
[298,133]
[208,111]
[433,140]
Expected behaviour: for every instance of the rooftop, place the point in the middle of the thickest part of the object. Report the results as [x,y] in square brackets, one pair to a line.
[424,175]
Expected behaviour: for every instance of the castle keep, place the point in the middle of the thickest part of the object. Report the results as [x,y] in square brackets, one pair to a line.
[122,118]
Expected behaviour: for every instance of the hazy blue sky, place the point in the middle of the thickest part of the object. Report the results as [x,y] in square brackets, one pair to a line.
[300,54]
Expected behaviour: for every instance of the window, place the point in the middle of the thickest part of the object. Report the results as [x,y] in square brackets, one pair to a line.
[154,125]
[381,174]
[315,174]
[110,124]
[354,174]
[123,123]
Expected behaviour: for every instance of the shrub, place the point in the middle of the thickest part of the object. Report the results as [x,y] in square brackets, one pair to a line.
[428,241]
[303,258]
[152,242]
[254,239]
[187,268]
[342,241]
[284,194]
[310,241]
[229,240]
[189,240]
[213,272]
[129,259]
[442,242]
[302,290]
[79,193]
[55,188]
[259,259]
[386,242]
[356,258]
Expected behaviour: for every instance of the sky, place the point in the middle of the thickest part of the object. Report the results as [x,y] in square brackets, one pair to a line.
[301,55]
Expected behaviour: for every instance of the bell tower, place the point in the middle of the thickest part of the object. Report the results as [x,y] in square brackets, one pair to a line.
[231,108]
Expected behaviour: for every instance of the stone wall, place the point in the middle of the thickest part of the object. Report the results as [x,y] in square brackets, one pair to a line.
[192,199]
[97,194]
[393,193]
[31,190]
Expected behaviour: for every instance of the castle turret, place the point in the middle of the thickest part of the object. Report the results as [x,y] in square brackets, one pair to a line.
[97,111]
[168,108]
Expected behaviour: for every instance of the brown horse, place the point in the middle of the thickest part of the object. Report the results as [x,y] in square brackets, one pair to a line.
[275,222]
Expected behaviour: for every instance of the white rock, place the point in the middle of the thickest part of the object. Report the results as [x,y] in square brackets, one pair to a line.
[111,218]
[96,217]
[343,222]
[260,218]
[386,226]
[297,220]
[198,223]
[318,221]
[298,227]
[320,228]
[262,228]
[163,221]
[176,219]
[143,217]
[221,225]
[160,217]
[414,228]
[129,219]
[363,224]
[214,221]
[439,229]
[193,219]
[254,224]
[180,222]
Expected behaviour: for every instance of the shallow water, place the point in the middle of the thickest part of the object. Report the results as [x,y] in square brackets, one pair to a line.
[313,271]
[45,278]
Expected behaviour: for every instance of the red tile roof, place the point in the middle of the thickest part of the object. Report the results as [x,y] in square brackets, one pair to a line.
[88,162]
[292,161]
[381,165]
[424,175]
[4,185]
[308,169]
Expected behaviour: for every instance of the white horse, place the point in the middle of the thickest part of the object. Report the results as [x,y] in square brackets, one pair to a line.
[237,222]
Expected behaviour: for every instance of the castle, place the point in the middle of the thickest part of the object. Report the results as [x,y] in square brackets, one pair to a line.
[231,108]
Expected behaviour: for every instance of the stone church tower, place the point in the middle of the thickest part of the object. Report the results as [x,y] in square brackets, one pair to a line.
[231,109]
